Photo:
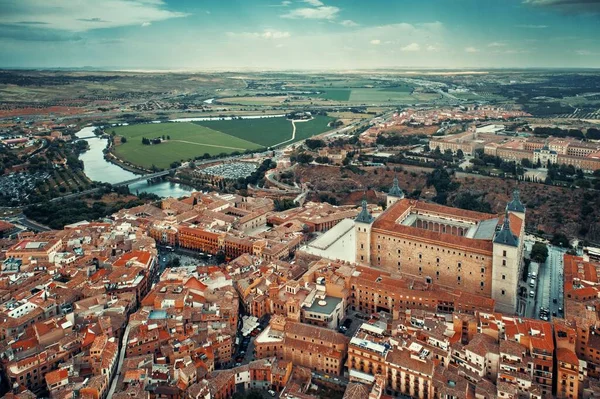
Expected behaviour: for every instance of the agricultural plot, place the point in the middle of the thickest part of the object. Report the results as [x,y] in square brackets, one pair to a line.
[183,141]
[381,95]
[187,140]
[262,132]
[335,94]
[316,126]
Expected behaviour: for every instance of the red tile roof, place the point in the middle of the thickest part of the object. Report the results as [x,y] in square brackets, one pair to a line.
[386,223]
[138,256]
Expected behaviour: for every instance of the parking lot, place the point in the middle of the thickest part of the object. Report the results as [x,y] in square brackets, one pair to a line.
[233,170]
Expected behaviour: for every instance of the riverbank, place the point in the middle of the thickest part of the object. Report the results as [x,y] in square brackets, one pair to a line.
[100,169]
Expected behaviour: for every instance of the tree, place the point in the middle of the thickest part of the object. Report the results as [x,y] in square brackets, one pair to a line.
[123,140]
[220,257]
[526,163]
[470,201]
[560,240]
[592,134]
[460,154]
[168,137]
[304,158]
[313,144]
[539,252]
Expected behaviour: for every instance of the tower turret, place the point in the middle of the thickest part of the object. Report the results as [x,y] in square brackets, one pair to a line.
[506,266]
[362,231]
[516,206]
[395,193]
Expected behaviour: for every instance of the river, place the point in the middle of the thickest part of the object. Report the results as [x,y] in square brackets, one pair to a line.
[97,168]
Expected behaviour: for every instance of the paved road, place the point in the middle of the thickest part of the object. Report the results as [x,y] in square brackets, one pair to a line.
[555,261]
[115,377]
[548,285]
[22,221]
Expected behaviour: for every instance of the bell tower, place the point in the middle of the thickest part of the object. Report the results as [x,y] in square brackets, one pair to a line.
[394,194]
[362,231]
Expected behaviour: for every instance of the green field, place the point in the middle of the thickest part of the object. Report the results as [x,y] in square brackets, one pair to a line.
[264,132]
[188,140]
[381,95]
[335,94]
[318,125]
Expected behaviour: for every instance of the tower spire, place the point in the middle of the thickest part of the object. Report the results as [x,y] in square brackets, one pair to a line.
[396,191]
[364,216]
[515,205]
[505,235]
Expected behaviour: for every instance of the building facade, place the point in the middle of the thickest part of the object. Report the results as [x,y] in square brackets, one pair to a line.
[449,247]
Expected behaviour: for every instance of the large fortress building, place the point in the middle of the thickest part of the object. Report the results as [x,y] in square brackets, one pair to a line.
[453,248]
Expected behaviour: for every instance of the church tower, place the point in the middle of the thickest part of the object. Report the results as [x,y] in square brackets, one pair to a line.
[515,206]
[394,194]
[506,266]
[362,231]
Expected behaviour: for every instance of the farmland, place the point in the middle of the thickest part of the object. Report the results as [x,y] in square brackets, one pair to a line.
[183,141]
[267,132]
[263,132]
[335,94]
[318,125]
[187,140]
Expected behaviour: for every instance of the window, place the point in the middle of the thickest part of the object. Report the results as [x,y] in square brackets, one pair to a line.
[503,292]
[504,277]
[483,270]
[458,278]
[459,265]
[504,253]
[503,262]
[362,246]
[481,284]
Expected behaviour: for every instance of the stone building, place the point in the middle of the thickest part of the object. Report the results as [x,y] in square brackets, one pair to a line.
[453,248]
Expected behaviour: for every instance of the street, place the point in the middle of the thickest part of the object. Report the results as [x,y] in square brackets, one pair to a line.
[548,284]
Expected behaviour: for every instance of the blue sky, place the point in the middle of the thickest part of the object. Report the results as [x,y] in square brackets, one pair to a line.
[299,34]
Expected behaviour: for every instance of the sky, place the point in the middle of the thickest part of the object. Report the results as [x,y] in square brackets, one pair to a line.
[299,34]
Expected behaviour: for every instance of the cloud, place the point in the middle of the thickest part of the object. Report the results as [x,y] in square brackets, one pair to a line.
[348,23]
[145,24]
[471,50]
[31,23]
[286,3]
[583,52]
[314,3]
[375,42]
[431,25]
[96,19]
[532,26]
[324,12]
[431,48]
[411,47]
[36,34]
[84,15]
[568,6]
[497,44]
[266,34]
